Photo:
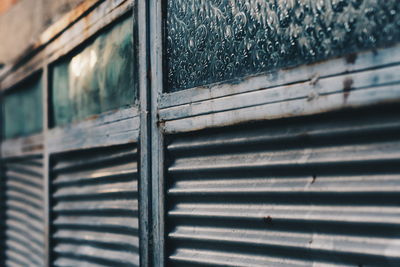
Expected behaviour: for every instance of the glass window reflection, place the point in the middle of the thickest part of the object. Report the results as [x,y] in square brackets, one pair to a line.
[98,78]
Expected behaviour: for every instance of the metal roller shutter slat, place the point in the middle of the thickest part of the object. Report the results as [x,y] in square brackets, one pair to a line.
[321,189]
[95,207]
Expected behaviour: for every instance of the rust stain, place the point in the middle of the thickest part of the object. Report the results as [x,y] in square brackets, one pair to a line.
[32,148]
[29,142]
[314,79]
[314,179]
[93,117]
[268,220]
[161,124]
[351,58]
[312,96]
[347,87]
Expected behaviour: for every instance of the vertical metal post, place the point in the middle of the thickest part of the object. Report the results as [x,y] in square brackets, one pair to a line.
[156,58]
[46,163]
[145,132]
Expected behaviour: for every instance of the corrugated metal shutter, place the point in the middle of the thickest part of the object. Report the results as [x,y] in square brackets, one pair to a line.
[2,213]
[95,207]
[24,244]
[323,189]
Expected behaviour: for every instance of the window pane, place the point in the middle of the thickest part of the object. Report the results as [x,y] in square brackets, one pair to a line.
[210,41]
[98,78]
[23,109]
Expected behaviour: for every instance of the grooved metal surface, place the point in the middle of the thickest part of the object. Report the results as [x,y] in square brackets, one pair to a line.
[306,191]
[95,207]
[2,212]
[24,214]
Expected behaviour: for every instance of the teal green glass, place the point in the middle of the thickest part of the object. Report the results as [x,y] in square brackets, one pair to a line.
[97,78]
[23,109]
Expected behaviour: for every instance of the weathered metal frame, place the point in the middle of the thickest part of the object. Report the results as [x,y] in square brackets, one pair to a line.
[60,39]
[157,142]
[99,130]
[145,149]
[32,145]
[23,146]
[46,164]
[355,80]
[365,60]
[345,82]
[106,129]
[111,128]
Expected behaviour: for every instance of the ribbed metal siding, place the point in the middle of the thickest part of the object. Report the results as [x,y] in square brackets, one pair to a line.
[95,207]
[2,213]
[24,222]
[314,190]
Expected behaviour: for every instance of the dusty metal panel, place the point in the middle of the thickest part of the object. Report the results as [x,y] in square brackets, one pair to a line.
[95,207]
[310,89]
[313,190]
[21,147]
[306,73]
[24,212]
[110,128]
[102,131]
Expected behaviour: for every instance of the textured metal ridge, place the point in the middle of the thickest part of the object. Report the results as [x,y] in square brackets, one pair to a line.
[24,212]
[317,190]
[95,207]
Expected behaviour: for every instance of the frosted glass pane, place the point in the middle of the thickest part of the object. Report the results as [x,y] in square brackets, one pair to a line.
[209,41]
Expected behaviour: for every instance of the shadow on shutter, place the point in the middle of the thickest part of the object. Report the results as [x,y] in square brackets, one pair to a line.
[300,191]
[95,207]
[24,218]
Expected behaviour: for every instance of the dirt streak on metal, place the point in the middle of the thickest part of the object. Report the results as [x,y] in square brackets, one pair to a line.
[347,87]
